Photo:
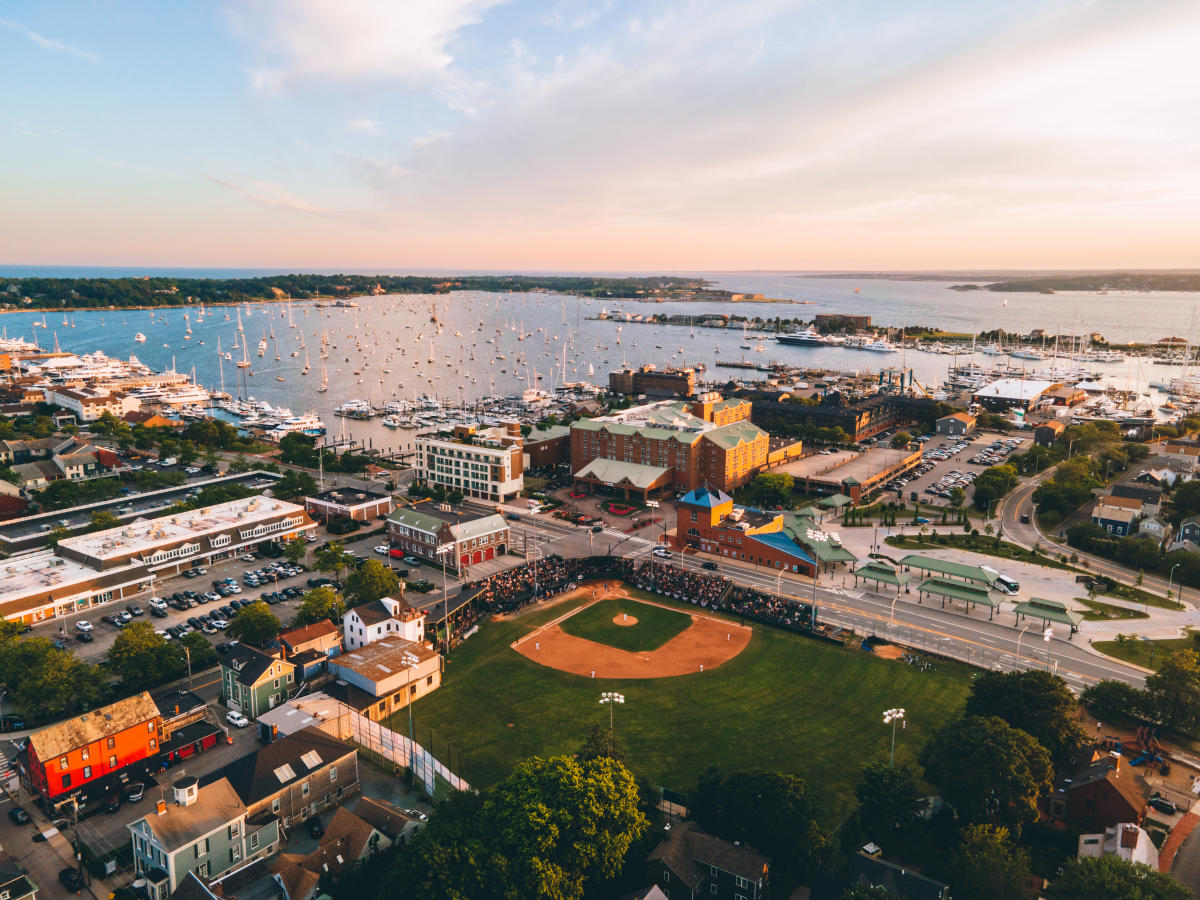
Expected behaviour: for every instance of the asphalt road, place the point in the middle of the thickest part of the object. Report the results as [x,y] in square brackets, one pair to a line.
[996,644]
[1020,503]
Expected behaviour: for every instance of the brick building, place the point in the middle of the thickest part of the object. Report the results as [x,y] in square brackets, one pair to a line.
[669,446]
[348,503]
[834,321]
[653,382]
[470,537]
[64,758]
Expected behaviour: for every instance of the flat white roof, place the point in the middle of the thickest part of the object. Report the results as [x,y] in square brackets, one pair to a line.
[146,534]
[41,572]
[1015,389]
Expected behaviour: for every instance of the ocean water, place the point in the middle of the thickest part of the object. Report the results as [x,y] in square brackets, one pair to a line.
[499,344]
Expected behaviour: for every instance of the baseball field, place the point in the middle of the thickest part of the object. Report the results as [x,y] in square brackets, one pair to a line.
[783,701]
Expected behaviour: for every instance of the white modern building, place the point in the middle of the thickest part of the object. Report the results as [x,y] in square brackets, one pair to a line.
[487,464]
[1125,840]
[89,404]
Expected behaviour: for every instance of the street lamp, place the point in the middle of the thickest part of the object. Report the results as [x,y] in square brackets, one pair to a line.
[1019,636]
[611,698]
[1048,636]
[890,717]
[1170,581]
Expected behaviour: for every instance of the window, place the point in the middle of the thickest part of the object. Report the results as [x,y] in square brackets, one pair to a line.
[85,753]
[150,727]
[333,773]
[712,870]
[666,877]
[234,830]
[202,870]
[304,789]
[741,882]
[276,683]
[62,764]
[87,771]
[412,689]
[712,888]
[275,805]
[429,680]
[66,781]
[112,743]
[112,762]
[254,841]
[235,853]
[153,743]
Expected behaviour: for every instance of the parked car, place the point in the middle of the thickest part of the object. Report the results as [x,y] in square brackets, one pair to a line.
[315,828]
[662,552]
[18,816]
[83,625]
[416,814]
[71,879]
[382,549]
[236,719]
[134,791]
[710,565]
[113,803]
[84,637]
[412,561]
[12,723]
[1163,805]
[158,613]
[135,610]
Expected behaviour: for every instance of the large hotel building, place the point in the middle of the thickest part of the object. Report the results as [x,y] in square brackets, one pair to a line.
[663,448]
[115,564]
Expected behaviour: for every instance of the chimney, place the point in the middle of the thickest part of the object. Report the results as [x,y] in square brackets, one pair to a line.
[160,807]
[185,791]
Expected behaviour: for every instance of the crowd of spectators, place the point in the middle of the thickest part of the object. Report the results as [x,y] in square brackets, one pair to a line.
[781,611]
[514,588]
[671,581]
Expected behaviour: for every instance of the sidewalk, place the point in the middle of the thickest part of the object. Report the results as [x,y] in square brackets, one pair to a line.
[1179,834]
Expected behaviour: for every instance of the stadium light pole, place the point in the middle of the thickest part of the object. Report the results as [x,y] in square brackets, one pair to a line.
[1019,636]
[890,717]
[611,698]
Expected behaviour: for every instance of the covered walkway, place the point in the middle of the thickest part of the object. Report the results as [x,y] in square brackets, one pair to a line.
[957,590]
[947,569]
[880,572]
[1048,611]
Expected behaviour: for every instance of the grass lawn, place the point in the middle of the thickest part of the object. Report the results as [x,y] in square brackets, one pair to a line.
[1097,611]
[1148,654]
[655,625]
[786,703]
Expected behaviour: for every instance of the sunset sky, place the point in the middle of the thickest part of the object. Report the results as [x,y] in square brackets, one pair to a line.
[601,135]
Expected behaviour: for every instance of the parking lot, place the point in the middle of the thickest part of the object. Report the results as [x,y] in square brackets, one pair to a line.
[176,614]
[949,462]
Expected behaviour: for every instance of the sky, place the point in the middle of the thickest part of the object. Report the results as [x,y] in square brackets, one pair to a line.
[601,135]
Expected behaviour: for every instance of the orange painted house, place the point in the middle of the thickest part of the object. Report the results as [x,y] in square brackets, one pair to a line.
[68,755]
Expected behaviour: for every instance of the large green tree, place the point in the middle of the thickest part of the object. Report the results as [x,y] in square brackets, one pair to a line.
[889,798]
[987,770]
[1035,701]
[254,624]
[371,581]
[319,604]
[775,813]
[293,485]
[562,824]
[142,658]
[1173,691]
[46,683]
[987,865]
[992,484]
[332,558]
[1112,878]
[295,550]
[602,742]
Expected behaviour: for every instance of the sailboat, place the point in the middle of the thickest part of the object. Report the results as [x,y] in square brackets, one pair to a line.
[324,378]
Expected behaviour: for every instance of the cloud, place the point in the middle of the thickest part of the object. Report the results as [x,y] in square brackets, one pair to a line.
[351,41]
[49,43]
[264,193]
[363,126]
[377,173]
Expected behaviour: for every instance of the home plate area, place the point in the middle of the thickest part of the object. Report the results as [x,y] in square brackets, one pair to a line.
[614,635]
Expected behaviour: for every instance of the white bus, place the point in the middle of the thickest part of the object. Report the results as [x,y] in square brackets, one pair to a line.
[1002,583]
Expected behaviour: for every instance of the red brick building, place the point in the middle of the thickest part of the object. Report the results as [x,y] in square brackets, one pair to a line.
[662,448]
[708,521]
[1104,793]
[69,755]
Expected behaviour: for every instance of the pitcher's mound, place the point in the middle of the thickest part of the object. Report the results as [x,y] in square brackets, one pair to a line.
[704,645]
[625,619]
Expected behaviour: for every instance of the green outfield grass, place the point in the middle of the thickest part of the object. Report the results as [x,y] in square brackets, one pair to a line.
[786,703]
[655,625]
